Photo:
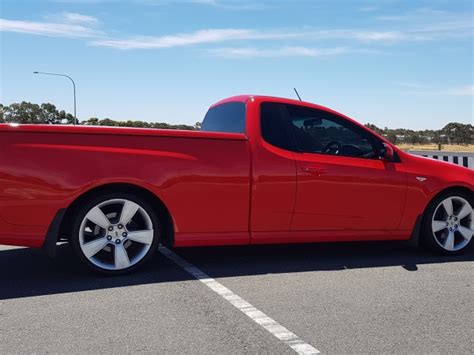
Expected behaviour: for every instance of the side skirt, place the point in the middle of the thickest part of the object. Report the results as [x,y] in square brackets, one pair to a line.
[326,236]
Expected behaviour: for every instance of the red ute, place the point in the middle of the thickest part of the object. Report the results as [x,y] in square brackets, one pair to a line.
[261,170]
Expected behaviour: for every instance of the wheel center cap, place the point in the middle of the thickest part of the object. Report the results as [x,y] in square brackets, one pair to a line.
[117,234]
[452,224]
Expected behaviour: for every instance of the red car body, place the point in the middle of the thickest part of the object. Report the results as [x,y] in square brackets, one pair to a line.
[217,188]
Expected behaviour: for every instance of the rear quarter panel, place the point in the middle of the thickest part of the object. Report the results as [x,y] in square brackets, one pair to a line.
[204,183]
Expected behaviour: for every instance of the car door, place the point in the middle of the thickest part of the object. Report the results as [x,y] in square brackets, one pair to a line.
[342,185]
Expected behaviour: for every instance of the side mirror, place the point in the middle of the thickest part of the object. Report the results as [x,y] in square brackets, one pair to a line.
[386,152]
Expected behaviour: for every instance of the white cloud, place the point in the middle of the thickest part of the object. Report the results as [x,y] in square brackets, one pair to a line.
[47,28]
[234,5]
[226,5]
[232,34]
[81,2]
[431,24]
[377,36]
[150,42]
[466,90]
[72,17]
[368,8]
[421,14]
[409,84]
[204,2]
[276,53]
[71,24]
[186,39]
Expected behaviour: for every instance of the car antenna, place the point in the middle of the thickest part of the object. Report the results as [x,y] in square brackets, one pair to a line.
[296,91]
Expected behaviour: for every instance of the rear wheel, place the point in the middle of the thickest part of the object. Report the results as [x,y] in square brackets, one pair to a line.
[115,233]
[448,225]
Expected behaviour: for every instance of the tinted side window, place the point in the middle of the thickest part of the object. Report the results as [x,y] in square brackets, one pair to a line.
[228,117]
[318,131]
[314,131]
[275,125]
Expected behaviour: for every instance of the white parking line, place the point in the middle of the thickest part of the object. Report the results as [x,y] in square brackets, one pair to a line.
[276,329]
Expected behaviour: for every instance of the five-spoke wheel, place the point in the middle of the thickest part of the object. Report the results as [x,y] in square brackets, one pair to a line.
[115,233]
[450,220]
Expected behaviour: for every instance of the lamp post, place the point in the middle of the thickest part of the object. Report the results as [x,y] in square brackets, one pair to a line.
[73,86]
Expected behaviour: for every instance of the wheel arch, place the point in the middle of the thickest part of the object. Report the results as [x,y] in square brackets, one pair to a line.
[454,188]
[417,230]
[158,205]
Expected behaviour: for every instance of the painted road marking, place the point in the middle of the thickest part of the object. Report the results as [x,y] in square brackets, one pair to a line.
[276,329]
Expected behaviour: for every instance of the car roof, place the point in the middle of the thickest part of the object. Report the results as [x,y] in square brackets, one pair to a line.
[246,97]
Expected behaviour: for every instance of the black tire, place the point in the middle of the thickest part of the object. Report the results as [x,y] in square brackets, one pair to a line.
[428,237]
[90,204]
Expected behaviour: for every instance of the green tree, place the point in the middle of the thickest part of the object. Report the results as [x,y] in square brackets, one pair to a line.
[374,128]
[93,121]
[47,113]
[66,117]
[27,112]
[459,133]
[392,137]
[107,122]
[24,112]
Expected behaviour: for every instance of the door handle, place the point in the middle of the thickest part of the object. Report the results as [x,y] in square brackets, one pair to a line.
[313,170]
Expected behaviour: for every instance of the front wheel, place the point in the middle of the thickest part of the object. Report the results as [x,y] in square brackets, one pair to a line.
[115,233]
[448,224]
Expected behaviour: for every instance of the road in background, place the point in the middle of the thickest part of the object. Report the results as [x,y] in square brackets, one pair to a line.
[340,298]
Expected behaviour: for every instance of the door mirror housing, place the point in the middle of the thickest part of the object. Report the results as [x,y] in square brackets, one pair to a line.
[386,152]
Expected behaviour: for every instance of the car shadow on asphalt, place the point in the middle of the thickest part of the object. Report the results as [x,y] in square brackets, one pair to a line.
[28,272]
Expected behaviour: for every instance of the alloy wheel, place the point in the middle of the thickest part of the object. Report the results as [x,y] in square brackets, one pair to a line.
[116,234]
[452,224]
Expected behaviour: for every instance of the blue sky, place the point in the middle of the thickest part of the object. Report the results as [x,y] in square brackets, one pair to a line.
[392,63]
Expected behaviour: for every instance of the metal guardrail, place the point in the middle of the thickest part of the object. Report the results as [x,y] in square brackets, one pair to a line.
[459,158]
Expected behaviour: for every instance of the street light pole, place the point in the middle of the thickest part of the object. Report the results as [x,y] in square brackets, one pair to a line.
[73,86]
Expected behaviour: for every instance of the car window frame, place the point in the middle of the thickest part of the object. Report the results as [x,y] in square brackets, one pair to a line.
[374,141]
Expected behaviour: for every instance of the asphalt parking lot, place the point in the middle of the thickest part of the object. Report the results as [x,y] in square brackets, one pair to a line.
[337,298]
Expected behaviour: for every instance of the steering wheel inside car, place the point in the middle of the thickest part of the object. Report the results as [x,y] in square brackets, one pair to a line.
[332,147]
